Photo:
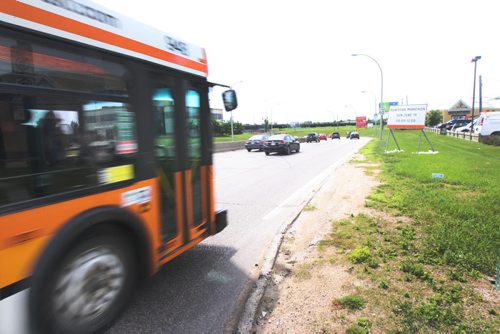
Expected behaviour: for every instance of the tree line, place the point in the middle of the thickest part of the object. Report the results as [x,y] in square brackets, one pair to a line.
[223,128]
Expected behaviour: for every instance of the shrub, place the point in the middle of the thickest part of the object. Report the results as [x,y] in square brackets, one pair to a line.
[352,302]
[360,255]
[364,322]
[416,270]
[355,329]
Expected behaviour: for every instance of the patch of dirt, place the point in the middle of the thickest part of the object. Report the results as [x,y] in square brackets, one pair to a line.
[302,302]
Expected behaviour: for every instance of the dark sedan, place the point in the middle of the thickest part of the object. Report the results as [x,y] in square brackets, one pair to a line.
[281,144]
[312,137]
[335,135]
[255,142]
[353,135]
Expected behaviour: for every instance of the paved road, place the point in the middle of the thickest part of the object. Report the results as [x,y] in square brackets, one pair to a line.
[202,290]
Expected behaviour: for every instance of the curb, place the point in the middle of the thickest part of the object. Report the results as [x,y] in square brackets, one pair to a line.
[247,320]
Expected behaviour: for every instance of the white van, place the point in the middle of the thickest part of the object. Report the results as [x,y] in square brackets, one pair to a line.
[490,124]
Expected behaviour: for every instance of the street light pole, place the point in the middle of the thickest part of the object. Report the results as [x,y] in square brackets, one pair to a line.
[474,60]
[375,104]
[381,90]
[232,127]
[232,131]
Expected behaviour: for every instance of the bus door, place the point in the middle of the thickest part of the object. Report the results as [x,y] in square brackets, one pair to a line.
[183,181]
[197,173]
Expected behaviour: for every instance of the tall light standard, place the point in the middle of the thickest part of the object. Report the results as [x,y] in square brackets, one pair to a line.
[474,60]
[232,129]
[374,101]
[381,89]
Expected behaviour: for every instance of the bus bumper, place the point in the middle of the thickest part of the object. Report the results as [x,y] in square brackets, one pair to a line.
[220,220]
[14,313]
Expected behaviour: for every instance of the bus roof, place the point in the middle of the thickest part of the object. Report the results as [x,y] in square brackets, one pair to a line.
[86,22]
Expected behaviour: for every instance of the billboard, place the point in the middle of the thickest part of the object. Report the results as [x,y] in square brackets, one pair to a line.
[361,122]
[410,116]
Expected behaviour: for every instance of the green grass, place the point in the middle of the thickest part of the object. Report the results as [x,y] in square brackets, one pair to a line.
[360,255]
[351,302]
[240,137]
[460,213]
[404,294]
[421,274]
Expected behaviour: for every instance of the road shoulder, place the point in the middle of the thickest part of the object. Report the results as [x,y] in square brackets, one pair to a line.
[289,305]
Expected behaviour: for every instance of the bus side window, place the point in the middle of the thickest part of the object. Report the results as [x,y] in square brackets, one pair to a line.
[109,131]
[65,144]
[69,126]
[193,123]
[163,103]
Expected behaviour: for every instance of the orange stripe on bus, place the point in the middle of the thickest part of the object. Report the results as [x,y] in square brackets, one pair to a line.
[49,19]
[181,250]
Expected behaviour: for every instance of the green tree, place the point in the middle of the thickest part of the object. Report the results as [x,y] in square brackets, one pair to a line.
[237,128]
[434,117]
[226,128]
[217,127]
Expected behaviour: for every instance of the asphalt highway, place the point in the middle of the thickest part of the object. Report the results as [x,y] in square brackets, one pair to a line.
[204,289]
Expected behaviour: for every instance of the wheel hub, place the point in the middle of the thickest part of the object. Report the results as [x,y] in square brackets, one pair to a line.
[88,285]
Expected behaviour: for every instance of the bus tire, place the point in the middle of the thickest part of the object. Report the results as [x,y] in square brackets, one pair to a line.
[88,289]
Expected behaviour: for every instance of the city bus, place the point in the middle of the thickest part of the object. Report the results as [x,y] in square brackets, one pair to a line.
[106,169]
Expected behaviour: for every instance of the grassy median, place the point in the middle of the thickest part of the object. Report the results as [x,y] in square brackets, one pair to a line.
[460,213]
[431,246]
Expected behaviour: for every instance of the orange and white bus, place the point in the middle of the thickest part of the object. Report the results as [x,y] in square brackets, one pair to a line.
[105,161]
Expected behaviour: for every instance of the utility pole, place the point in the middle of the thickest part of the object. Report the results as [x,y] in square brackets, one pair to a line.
[480,95]
[474,60]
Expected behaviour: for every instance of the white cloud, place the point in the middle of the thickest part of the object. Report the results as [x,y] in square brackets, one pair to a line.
[294,57]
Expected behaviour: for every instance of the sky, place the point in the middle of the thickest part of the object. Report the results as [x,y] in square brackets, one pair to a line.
[291,61]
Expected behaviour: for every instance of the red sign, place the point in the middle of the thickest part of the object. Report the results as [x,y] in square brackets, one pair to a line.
[361,122]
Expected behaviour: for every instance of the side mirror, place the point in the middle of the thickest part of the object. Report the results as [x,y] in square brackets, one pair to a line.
[230,101]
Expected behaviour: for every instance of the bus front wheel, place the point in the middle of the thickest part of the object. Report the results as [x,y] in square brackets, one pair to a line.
[89,288]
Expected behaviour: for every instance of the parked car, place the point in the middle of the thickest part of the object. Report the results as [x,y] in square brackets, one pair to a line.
[322,136]
[282,143]
[444,125]
[255,142]
[312,137]
[490,124]
[335,135]
[465,128]
[439,126]
[353,135]
[454,123]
